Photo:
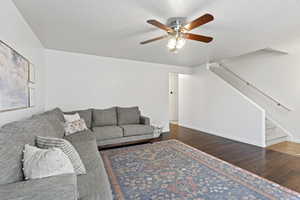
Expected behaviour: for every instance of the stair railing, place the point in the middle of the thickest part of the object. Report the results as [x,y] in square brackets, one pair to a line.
[257,89]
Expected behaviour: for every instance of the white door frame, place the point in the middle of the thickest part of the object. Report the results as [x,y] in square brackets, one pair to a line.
[173,97]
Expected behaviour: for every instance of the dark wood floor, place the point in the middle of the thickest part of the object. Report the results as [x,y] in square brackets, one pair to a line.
[281,168]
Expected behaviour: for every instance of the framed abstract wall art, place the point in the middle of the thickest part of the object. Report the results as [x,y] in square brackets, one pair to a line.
[14,79]
[31,94]
[31,73]
[31,85]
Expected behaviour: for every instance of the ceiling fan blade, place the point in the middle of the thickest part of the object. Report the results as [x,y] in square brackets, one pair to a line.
[199,21]
[159,25]
[154,39]
[200,38]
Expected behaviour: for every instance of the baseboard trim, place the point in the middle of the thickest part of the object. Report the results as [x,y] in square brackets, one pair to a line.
[295,140]
[220,135]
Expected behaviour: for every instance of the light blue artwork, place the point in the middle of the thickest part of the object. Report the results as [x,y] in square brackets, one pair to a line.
[14,72]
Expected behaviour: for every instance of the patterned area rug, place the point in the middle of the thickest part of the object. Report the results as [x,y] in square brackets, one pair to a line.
[173,170]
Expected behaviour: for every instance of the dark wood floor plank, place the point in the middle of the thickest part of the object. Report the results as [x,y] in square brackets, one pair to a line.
[278,167]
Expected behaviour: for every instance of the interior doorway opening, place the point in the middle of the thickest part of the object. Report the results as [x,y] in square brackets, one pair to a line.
[173,98]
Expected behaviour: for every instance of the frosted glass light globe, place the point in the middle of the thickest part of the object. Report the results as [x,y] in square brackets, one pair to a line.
[176,43]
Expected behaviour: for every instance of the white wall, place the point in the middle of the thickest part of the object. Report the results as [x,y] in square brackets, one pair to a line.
[78,81]
[16,33]
[209,104]
[278,76]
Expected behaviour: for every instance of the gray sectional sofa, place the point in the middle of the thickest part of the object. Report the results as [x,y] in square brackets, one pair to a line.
[117,125]
[95,184]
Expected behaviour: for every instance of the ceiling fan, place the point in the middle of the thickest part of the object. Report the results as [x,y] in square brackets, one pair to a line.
[177,30]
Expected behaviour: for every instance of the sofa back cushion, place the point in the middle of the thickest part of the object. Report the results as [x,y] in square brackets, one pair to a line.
[128,115]
[15,135]
[105,117]
[56,119]
[84,114]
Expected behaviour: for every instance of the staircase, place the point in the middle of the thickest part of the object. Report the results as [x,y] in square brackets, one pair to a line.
[275,133]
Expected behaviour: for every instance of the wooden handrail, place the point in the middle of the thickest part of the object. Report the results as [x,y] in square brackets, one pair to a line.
[253,86]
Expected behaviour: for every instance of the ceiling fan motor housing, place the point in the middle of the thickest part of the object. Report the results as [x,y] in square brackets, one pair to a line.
[176,22]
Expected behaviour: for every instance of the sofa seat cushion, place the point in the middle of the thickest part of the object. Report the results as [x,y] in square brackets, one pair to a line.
[62,187]
[128,115]
[87,149]
[82,136]
[108,132]
[84,114]
[94,185]
[136,129]
[105,117]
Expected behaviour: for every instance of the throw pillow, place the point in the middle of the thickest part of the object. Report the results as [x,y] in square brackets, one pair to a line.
[41,163]
[66,147]
[74,127]
[84,114]
[72,117]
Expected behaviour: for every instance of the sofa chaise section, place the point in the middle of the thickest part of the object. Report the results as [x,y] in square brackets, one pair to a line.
[51,188]
[92,186]
[109,126]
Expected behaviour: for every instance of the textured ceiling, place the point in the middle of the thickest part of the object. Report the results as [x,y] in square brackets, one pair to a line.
[114,28]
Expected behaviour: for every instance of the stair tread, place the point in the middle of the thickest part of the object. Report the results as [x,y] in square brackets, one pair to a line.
[275,132]
[276,141]
[275,136]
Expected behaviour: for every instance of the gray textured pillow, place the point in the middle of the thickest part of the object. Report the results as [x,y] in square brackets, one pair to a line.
[41,163]
[128,115]
[66,147]
[106,117]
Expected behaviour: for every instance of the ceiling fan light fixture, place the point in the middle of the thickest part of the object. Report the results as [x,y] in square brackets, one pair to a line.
[177,30]
[172,43]
[180,43]
[176,43]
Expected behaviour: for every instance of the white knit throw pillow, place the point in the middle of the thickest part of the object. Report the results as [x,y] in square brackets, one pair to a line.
[41,163]
[66,147]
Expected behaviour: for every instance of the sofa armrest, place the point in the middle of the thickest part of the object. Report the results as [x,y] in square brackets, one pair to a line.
[145,120]
[50,188]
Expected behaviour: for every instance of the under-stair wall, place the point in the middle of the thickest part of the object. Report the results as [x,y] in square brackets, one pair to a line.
[209,104]
[275,133]
[276,74]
